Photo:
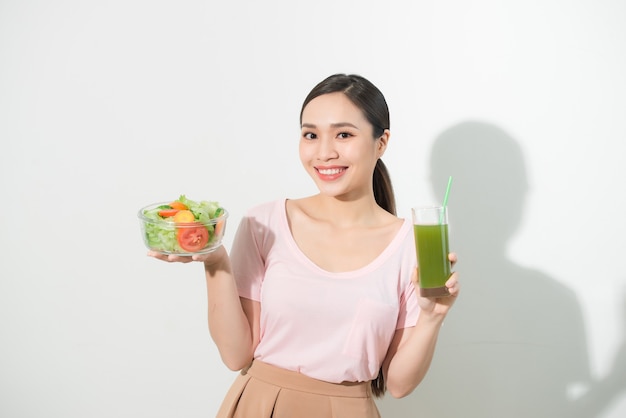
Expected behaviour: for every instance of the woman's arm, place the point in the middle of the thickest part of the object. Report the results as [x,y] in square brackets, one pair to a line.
[233,321]
[409,356]
[411,351]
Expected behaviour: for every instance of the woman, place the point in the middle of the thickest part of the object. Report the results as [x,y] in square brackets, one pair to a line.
[316,303]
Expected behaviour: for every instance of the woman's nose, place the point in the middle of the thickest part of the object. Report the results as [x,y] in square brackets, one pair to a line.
[327,149]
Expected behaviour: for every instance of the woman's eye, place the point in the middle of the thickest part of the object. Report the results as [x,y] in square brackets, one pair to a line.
[344,135]
[309,135]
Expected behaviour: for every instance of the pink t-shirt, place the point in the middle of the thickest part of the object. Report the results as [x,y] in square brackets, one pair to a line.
[330,326]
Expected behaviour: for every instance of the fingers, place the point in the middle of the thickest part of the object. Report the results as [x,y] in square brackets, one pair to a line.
[157,255]
[415,277]
[179,259]
[170,258]
[213,256]
[453,258]
[453,284]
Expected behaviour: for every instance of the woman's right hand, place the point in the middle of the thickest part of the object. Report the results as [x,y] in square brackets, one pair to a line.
[208,258]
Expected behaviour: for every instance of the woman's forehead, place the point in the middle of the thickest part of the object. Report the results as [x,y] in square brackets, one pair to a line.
[332,109]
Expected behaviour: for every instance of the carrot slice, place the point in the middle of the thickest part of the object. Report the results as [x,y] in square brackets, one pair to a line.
[166,213]
[219,228]
[178,205]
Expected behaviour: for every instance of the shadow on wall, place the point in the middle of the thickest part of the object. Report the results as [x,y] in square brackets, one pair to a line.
[514,344]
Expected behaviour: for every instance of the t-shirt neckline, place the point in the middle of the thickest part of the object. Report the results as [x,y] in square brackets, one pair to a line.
[372,265]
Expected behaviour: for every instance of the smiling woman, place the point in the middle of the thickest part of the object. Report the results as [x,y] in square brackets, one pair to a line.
[316,304]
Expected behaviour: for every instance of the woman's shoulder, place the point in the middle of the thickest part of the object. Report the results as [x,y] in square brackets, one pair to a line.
[267,207]
[299,206]
[270,214]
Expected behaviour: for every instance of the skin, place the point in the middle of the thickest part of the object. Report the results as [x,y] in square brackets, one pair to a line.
[340,229]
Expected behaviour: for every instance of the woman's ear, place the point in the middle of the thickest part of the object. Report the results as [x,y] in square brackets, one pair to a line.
[382,142]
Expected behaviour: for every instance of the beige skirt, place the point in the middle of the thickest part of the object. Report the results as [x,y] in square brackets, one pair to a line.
[266,391]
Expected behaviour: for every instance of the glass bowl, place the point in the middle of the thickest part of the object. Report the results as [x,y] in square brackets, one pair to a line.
[165,236]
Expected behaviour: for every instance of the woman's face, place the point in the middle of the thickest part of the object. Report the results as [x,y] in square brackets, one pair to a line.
[337,147]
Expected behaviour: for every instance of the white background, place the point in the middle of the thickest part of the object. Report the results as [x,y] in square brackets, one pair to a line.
[108,106]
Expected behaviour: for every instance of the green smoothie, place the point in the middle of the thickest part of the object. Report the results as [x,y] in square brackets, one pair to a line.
[432,258]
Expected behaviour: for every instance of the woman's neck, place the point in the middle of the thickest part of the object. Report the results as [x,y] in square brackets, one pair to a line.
[362,211]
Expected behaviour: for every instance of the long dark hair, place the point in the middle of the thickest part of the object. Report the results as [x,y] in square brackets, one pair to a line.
[367,97]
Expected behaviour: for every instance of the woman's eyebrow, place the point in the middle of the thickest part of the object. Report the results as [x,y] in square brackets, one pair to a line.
[332,125]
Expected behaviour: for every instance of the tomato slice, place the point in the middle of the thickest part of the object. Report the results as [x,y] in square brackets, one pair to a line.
[192,238]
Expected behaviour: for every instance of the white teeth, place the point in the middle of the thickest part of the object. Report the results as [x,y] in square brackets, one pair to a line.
[330,171]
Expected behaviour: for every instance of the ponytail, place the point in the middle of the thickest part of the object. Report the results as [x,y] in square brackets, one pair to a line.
[383,190]
[378,385]
[383,193]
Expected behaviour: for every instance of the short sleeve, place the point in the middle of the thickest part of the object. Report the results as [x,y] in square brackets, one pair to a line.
[409,308]
[247,262]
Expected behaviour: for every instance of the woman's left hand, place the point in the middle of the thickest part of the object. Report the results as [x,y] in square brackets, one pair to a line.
[439,305]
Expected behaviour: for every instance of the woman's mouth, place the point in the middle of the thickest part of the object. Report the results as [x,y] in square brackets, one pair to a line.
[330,173]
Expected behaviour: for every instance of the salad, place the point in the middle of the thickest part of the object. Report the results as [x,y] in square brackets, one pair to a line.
[183,226]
